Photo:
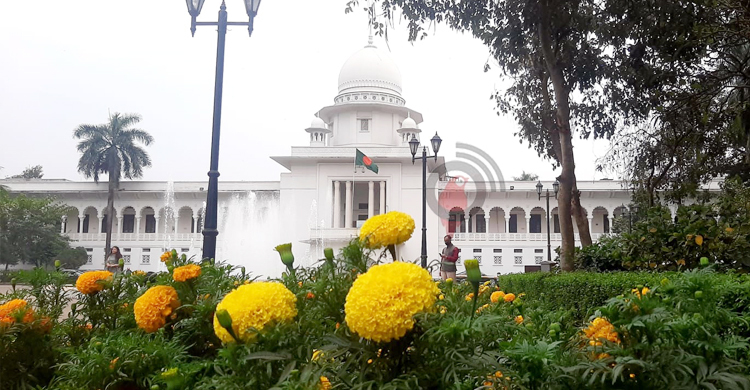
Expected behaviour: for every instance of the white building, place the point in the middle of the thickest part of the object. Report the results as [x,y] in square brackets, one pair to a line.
[321,201]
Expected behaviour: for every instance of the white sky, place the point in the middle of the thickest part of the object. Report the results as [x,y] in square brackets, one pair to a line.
[65,63]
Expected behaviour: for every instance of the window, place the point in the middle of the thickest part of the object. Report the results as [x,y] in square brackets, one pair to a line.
[517,250]
[556,223]
[478,258]
[150,224]
[535,224]
[364,125]
[513,224]
[362,206]
[518,259]
[538,250]
[481,223]
[538,259]
[128,223]
[145,259]
[104,224]
[89,259]
[146,250]
[456,222]
[605,217]
[497,250]
[498,260]
[477,250]
[126,258]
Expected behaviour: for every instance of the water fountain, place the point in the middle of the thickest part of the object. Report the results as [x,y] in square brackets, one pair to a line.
[250,226]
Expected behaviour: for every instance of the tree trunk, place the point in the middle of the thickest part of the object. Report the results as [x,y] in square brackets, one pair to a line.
[113,183]
[567,178]
[581,218]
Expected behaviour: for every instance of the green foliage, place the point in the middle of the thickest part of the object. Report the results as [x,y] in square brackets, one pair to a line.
[30,230]
[687,330]
[579,292]
[34,172]
[118,361]
[46,290]
[72,258]
[718,230]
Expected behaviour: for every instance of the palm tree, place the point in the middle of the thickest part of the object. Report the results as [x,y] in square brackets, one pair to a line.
[112,148]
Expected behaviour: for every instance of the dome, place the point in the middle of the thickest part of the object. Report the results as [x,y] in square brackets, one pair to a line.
[370,70]
[317,123]
[408,123]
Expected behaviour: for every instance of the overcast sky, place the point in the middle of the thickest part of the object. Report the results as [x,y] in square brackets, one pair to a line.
[65,63]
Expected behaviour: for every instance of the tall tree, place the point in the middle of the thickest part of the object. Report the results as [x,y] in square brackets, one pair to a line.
[34,172]
[112,148]
[551,51]
[30,229]
[526,177]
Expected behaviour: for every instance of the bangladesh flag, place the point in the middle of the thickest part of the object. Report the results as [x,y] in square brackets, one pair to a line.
[365,162]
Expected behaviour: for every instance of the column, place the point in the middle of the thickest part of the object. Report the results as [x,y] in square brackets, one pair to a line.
[506,217]
[348,205]
[195,224]
[462,227]
[528,221]
[487,223]
[336,204]
[176,223]
[371,199]
[611,222]
[591,223]
[119,224]
[156,228]
[137,226]
[80,223]
[382,197]
[64,220]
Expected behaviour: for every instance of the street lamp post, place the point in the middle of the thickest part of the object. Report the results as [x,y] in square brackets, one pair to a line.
[556,188]
[210,230]
[413,147]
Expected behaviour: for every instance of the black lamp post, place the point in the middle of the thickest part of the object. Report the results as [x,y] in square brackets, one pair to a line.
[210,230]
[414,146]
[555,188]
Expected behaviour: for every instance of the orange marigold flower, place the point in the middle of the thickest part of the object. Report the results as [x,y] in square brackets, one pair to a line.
[310,295]
[519,320]
[165,256]
[13,309]
[113,363]
[325,384]
[154,306]
[92,282]
[186,272]
[497,296]
[510,297]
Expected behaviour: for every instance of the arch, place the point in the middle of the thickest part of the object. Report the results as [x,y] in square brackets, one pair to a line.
[599,220]
[126,207]
[184,223]
[148,220]
[497,220]
[456,220]
[102,225]
[537,220]
[517,220]
[477,222]
[128,219]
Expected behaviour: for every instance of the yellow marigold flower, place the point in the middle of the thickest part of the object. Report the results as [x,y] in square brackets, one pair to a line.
[441,297]
[255,306]
[469,297]
[165,256]
[113,363]
[11,309]
[392,228]
[449,280]
[600,329]
[139,273]
[483,289]
[186,272]
[316,355]
[443,310]
[632,376]
[382,302]
[369,361]
[519,319]
[498,374]
[510,297]
[154,306]
[325,384]
[91,282]
[497,296]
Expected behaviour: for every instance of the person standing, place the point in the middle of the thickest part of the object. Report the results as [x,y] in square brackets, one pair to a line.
[113,260]
[449,258]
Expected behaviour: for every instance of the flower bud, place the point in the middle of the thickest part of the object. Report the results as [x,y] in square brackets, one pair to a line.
[285,251]
[58,264]
[473,274]
[13,284]
[328,253]
[699,294]
[225,320]
[704,261]
[121,263]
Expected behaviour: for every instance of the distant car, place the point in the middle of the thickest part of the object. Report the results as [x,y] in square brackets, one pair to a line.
[72,274]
